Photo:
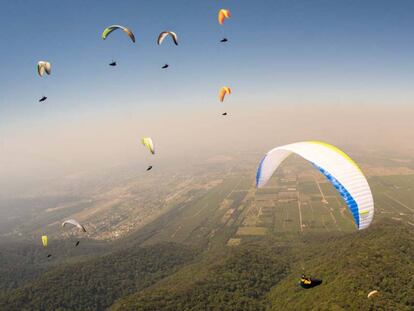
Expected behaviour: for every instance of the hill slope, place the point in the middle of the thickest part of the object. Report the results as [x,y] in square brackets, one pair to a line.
[95,284]
[381,258]
[257,277]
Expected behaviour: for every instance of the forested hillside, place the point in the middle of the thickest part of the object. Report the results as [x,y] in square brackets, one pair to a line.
[381,258]
[260,277]
[97,283]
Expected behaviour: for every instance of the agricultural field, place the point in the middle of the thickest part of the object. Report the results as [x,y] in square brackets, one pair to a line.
[299,200]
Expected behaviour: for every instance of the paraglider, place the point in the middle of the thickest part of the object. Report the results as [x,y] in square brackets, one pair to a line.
[223,92]
[164,34]
[340,170]
[165,66]
[44,67]
[224,114]
[222,15]
[306,282]
[75,223]
[149,168]
[372,293]
[147,142]
[112,28]
[45,242]
[224,40]
[77,243]
[112,64]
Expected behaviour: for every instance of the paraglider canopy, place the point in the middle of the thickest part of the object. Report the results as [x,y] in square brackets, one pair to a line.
[44,240]
[165,66]
[42,99]
[147,142]
[340,170]
[224,40]
[44,67]
[223,92]
[75,223]
[164,34]
[112,28]
[222,15]
[372,293]
[112,63]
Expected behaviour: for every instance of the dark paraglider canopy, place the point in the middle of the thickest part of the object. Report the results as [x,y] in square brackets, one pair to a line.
[77,243]
[50,255]
[112,63]
[149,168]
[306,282]
[42,99]
[224,40]
[224,114]
[165,66]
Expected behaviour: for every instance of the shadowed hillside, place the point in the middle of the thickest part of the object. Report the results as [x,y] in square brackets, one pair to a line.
[97,283]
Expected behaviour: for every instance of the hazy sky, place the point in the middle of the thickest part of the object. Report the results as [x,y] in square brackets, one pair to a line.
[309,69]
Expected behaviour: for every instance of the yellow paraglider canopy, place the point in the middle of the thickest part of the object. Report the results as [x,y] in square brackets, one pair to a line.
[147,142]
[222,15]
[44,240]
[223,92]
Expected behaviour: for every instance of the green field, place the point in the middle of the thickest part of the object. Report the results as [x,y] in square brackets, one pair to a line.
[290,207]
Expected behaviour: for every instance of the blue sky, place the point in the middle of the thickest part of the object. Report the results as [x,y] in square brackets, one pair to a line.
[344,53]
[276,47]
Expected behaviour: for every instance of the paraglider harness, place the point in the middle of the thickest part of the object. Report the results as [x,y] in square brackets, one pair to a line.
[306,282]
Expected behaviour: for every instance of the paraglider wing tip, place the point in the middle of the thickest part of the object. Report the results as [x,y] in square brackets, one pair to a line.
[259,173]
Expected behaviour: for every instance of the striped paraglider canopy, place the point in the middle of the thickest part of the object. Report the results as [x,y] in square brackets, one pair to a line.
[341,171]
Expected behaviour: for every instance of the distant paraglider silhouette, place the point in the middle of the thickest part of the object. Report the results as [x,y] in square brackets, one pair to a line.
[112,63]
[224,40]
[165,66]
[42,99]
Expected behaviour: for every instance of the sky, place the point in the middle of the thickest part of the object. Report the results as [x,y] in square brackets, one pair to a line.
[299,69]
